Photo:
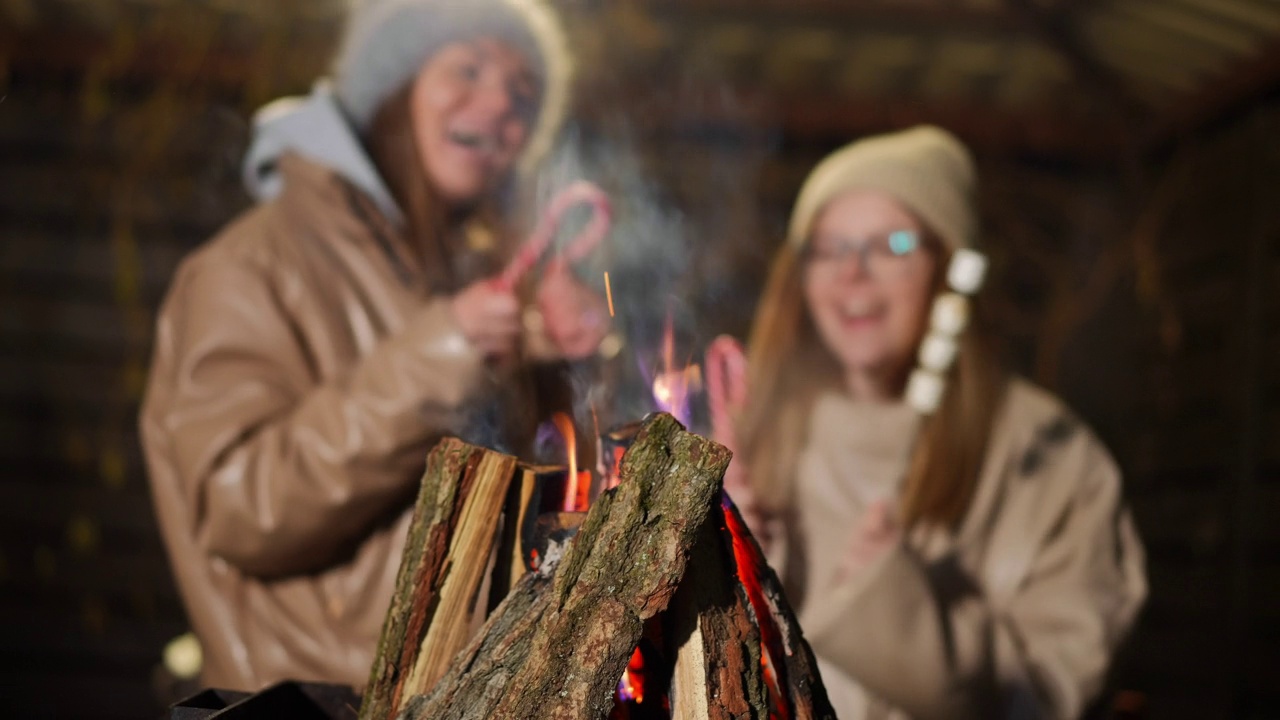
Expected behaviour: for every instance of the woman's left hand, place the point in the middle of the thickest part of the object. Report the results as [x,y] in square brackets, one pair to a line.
[876,532]
[575,317]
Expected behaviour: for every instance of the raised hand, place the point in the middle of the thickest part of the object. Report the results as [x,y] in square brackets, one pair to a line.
[726,373]
[489,316]
[574,316]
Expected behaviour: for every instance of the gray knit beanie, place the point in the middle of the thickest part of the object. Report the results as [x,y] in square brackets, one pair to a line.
[925,168]
[386,43]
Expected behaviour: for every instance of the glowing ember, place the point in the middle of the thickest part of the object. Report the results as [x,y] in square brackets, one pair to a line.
[631,686]
[608,292]
[577,484]
[613,446]
[748,560]
[615,469]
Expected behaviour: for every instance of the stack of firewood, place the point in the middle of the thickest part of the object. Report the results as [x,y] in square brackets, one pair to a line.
[655,603]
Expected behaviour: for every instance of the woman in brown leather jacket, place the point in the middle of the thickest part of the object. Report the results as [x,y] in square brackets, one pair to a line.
[954,538]
[308,357]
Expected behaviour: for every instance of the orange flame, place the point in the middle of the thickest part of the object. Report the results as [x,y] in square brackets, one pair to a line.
[631,687]
[748,559]
[576,485]
[608,292]
[671,385]
[614,478]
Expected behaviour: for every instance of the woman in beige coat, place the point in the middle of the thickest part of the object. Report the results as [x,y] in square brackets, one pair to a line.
[308,357]
[954,538]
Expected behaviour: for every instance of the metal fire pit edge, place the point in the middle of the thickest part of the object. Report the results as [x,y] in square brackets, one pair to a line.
[288,699]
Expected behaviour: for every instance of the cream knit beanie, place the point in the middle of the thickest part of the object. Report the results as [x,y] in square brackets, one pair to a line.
[386,43]
[925,168]
[931,173]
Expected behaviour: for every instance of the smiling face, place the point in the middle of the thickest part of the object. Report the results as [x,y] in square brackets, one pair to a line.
[868,280]
[473,104]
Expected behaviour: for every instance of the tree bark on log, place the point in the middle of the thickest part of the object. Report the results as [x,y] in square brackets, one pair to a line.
[717,671]
[741,652]
[797,670]
[557,646]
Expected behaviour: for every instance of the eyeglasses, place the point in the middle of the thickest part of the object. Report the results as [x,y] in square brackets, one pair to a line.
[883,252]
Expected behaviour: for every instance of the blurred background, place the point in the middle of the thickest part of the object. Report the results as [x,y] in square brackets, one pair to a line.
[1130,151]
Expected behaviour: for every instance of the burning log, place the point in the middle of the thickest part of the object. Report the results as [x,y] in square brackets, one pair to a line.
[741,652]
[716,644]
[662,587]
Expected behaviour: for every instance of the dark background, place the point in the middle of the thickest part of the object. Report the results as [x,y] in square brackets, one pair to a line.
[1131,165]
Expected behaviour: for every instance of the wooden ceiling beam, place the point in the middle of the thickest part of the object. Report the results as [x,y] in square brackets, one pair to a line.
[649,107]
[819,118]
[984,127]
[1220,98]
[1057,27]
[171,58]
[846,16]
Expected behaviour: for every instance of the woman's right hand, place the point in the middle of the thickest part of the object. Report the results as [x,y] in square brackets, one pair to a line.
[489,317]
[726,373]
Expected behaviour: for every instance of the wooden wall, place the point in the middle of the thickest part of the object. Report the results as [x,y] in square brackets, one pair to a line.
[105,183]
[1205,460]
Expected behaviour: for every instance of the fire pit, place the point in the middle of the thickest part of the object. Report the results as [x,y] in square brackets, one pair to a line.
[293,700]
[655,603]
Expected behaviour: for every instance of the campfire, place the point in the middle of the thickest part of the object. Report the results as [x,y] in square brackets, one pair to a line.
[516,600]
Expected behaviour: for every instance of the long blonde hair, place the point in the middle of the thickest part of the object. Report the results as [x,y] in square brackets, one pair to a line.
[789,366]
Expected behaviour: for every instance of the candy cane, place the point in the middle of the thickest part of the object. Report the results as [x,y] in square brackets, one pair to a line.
[583,243]
[726,385]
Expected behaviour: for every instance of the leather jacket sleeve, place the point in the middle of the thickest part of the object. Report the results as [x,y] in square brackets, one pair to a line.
[281,474]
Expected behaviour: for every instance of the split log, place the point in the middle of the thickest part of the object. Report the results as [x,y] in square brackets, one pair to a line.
[450,541]
[797,673]
[741,652]
[717,671]
[557,646]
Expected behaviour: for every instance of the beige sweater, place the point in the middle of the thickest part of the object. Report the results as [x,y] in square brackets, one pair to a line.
[1015,615]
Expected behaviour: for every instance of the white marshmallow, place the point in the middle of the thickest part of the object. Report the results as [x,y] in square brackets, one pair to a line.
[937,352]
[967,270]
[950,314]
[924,391]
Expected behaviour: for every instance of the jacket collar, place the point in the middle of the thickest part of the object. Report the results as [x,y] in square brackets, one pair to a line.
[316,128]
